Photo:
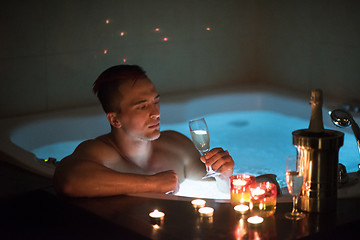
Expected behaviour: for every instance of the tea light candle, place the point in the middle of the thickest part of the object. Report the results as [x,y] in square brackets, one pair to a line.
[240,188]
[257,191]
[157,215]
[255,220]
[241,208]
[239,182]
[206,211]
[263,199]
[198,203]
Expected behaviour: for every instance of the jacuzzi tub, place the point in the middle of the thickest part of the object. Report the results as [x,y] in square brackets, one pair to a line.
[22,137]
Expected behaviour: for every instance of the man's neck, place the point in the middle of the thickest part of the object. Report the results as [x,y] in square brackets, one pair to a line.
[137,151]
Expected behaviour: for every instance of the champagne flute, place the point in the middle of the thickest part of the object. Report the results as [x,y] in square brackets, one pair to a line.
[294,181]
[201,139]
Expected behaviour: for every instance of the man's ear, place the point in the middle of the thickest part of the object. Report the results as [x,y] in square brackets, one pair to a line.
[113,119]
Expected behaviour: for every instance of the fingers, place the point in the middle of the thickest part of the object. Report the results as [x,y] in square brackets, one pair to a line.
[220,161]
[167,182]
[177,187]
[173,181]
[202,158]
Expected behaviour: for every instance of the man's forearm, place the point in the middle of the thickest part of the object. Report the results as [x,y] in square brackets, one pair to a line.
[94,180]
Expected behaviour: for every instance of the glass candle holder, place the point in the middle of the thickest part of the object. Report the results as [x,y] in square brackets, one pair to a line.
[240,189]
[263,199]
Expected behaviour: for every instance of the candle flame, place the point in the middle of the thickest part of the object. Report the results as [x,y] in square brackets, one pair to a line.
[255,220]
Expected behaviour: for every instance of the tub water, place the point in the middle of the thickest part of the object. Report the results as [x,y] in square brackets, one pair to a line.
[254,127]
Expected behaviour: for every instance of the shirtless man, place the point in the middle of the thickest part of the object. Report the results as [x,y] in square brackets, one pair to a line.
[135,157]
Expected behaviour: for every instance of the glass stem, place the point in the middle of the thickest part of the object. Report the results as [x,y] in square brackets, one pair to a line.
[295,201]
[208,168]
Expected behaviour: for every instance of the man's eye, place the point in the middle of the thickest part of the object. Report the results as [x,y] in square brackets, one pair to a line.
[142,107]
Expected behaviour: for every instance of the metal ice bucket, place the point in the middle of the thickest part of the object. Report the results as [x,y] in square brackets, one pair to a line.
[317,155]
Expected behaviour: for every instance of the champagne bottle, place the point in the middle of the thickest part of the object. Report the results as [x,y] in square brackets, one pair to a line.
[316,119]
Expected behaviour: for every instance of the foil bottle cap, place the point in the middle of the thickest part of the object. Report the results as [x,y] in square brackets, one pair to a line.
[316,119]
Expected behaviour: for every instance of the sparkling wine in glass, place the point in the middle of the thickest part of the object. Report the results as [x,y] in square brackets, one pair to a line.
[294,181]
[201,139]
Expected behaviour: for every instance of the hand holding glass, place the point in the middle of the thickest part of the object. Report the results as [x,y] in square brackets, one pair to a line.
[294,181]
[201,138]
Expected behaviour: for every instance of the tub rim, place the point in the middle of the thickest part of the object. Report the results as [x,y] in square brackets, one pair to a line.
[255,99]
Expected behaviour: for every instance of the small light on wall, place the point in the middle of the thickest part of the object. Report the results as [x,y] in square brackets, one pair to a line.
[157,29]
[105,51]
[107,21]
[165,39]
[124,60]
[122,34]
[208,29]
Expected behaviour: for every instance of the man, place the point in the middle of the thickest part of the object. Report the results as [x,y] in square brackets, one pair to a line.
[135,157]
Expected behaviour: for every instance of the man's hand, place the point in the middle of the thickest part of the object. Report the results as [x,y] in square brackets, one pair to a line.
[166,182]
[220,161]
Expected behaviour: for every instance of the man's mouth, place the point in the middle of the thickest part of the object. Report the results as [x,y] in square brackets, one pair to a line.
[156,125]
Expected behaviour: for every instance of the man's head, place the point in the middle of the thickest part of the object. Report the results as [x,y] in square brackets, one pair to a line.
[107,85]
[130,101]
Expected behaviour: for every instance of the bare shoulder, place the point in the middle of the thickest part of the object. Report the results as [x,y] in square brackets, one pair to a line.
[177,142]
[183,147]
[175,137]
[95,150]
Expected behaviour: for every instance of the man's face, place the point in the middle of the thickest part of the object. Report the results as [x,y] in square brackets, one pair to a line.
[140,109]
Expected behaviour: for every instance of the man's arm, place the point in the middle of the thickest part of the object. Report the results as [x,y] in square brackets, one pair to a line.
[82,174]
[217,158]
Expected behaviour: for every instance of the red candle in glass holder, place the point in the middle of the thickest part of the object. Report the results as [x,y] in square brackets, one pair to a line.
[240,188]
[263,199]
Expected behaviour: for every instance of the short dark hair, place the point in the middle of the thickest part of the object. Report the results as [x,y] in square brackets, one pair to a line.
[106,86]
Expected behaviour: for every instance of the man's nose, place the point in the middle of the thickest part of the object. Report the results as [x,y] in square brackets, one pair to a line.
[155,111]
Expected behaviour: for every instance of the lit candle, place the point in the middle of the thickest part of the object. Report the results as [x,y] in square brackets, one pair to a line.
[206,211]
[257,191]
[241,208]
[263,199]
[157,215]
[239,182]
[240,188]
[198,203]
[255,220]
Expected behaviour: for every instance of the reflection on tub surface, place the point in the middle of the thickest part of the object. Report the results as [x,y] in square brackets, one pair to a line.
[258,141]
